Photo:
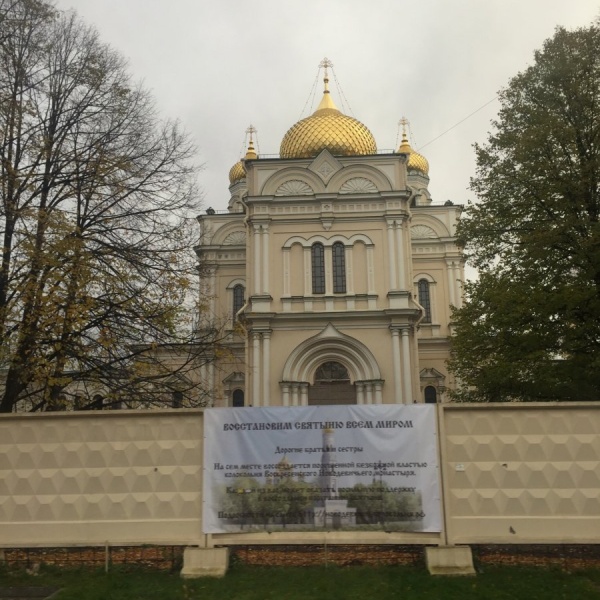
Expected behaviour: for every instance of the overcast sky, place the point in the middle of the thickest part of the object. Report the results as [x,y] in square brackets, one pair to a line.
[219,65]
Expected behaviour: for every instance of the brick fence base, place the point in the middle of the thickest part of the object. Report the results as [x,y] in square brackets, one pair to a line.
[568,557]
[344,555]
[165,558]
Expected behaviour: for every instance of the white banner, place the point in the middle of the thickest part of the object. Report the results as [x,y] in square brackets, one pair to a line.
[361,467]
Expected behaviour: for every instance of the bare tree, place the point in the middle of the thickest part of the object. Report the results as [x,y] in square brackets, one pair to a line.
[97,272]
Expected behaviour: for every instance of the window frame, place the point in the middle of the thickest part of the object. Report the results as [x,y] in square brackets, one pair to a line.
[317,259]
[424,295]
[237,301]
[430,397]
[235,398]
[338,267]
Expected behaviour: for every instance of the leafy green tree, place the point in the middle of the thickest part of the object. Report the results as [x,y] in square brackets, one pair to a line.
[299,497]
[244,500]
[530,326]
[98,199]
[375,503]
[283,501]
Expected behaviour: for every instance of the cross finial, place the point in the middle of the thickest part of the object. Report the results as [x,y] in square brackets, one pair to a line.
[403,122]
[251,153]
[251,130]
[325,64]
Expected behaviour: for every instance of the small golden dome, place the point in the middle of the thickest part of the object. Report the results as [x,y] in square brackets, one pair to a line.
[327,128]
[416,161]
[237,172]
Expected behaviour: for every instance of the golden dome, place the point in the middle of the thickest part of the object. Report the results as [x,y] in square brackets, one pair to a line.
[327,128]
[237,172]
[416,161]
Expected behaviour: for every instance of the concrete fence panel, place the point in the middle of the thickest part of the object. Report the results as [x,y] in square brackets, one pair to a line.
[521,473]
[92,478]
[510,474]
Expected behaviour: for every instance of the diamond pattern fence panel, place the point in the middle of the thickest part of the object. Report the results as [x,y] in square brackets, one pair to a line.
[104,477]
[521,473]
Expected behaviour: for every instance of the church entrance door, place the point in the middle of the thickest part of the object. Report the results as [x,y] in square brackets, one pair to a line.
[331,386]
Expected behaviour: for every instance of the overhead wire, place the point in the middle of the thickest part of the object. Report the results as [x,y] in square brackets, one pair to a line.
[256,140]
[346,108]
[311,95]
[251,130]
[457,124]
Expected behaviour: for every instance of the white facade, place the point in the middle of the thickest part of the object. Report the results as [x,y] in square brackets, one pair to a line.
[348,272]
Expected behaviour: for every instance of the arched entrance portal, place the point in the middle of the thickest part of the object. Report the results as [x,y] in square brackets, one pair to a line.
[331,385]
[331,368]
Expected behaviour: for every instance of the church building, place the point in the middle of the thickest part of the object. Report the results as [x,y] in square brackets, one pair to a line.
[333,272]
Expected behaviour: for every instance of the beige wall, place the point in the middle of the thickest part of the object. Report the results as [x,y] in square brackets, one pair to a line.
[511,473]
[89,478]
[521,473]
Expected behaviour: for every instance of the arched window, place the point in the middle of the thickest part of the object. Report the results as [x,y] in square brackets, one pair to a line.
[425,299]
[332,372]
[238,299]
[97,402]
[177,400]
[318,268]
[339,269]
[332,386]
[237,398]
[430,395]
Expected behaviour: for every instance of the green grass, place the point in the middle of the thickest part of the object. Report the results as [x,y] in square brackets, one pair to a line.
[314,583]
